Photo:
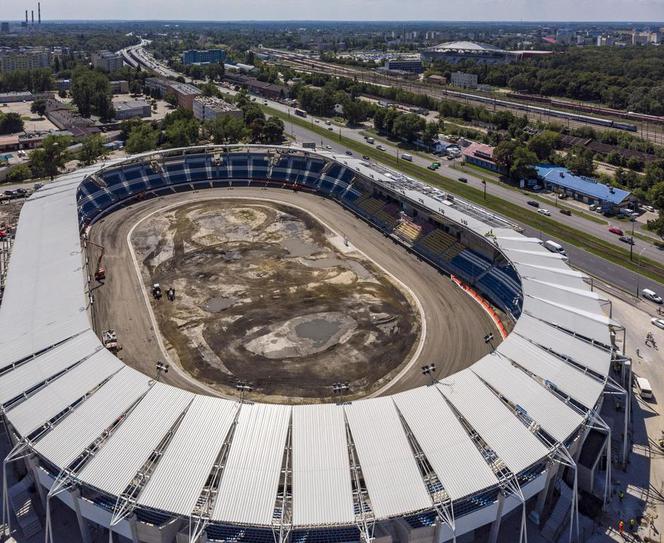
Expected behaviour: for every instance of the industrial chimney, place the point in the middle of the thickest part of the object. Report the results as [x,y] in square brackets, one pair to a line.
[26,16]
[32,14]
[38,12]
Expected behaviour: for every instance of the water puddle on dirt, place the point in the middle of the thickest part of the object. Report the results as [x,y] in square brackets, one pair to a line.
[218,304]
[320,331]
[298,248]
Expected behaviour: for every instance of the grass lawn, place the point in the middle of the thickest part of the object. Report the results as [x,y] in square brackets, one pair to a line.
[604,249]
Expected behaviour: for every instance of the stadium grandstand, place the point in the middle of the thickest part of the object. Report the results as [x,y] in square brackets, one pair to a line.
[458,51]
[154,463]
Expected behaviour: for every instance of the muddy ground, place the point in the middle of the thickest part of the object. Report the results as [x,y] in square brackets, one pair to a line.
[265,295]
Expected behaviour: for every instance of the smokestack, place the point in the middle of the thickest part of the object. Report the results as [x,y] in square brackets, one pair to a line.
[26,16]
[32,14]
[39,12]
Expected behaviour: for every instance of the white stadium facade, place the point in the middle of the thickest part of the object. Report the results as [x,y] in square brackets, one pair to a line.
[155,463]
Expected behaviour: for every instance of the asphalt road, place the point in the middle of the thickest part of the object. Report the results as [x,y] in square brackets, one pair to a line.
[589,263]
[455,324]
[581,259]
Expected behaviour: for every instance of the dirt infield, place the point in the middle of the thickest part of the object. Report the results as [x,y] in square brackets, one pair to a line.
[264,296]
[267,294]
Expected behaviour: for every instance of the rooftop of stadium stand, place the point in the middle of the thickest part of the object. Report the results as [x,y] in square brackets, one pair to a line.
[467,46]
[62,389]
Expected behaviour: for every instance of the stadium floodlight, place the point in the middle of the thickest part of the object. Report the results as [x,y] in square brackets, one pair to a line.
[340,388]
[243,387]
[162,367]
[429,370]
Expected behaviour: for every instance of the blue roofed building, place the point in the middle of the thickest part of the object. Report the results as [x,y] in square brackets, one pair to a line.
[583,189]
[206,56]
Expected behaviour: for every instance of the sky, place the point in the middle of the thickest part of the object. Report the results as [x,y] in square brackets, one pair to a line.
[394,10]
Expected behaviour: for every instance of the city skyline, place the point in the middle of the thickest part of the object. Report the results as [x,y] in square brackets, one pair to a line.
[348,10]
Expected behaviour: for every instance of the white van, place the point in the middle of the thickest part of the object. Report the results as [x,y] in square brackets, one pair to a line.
[554,247]
[407,157]
[370,140]
[651,295]
[643,388]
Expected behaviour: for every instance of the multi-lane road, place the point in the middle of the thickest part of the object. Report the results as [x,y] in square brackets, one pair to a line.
[596,266]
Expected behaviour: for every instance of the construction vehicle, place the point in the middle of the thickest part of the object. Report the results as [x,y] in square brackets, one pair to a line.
[110,340]
[156,291]
[100,271]
[170,294]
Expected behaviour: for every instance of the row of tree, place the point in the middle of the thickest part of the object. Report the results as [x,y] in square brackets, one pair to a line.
[180,129]
[621,77]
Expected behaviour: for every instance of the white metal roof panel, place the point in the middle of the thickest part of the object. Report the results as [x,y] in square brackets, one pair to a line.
[569,278]
[88,421]
[46,259]
[554,416]
[577,384]
[580,299]
[593,327]
[128,448]
[249,482]
[582,352]
[449,449]
[45,366]
[322,489]
[389,467]
[60,393]
[178,479]
[492,419]
[537,258]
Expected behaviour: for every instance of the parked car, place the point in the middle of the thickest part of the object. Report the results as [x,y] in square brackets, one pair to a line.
[566,212]
[365,157]
[349,153]
[380,147]
[533,203]
[617,231]
[651,295]
[544,212]
[463,179]
[627,239]
[657,322]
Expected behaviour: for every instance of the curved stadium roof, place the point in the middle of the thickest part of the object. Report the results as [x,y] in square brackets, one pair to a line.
[61,391]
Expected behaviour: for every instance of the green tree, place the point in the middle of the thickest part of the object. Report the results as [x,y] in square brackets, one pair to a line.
[516,160]
[580,162]
[10,123]
[544,143]
[171,99]
[408,127]
[135,87]
[38,106]
[182,133]
[20,172]
[51,157]
[226,129]
[273,131]
[91,93]
[92,148]
[354,112]
[141,138]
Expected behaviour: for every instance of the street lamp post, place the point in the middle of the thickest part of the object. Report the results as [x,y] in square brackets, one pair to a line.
[631,241]
[484,185]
